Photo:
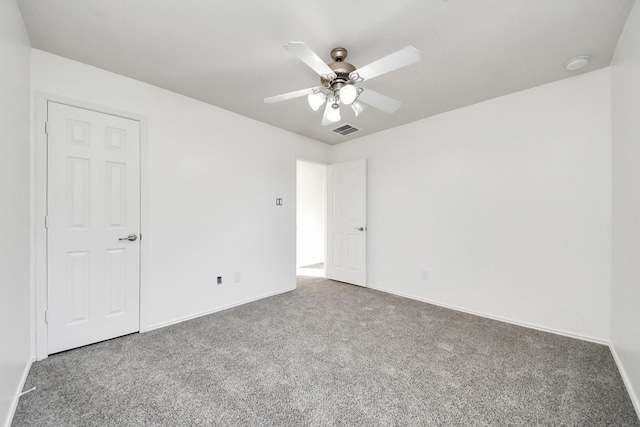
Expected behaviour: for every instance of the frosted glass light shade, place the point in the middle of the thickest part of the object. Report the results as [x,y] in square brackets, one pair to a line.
[316,100]
[348,94]
[357,108]
[333,115]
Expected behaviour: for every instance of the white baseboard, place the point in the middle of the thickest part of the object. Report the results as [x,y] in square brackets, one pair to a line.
[16,398]
[625,379]
[490,316]
[215,310]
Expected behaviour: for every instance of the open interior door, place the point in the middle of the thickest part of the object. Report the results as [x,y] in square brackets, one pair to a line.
[347,222]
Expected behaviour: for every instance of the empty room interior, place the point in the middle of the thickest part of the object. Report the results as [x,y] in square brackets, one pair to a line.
[418,212]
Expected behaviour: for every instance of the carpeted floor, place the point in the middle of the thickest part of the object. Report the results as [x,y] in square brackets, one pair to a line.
[331,354]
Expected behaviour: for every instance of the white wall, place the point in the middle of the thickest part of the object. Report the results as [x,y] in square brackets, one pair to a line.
[625,304]
[14,207]
[507,203]
[213,177]
[311,208]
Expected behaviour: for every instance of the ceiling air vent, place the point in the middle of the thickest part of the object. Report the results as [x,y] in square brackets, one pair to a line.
[346,130]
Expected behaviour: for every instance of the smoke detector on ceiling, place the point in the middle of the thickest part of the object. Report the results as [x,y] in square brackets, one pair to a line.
[576,63]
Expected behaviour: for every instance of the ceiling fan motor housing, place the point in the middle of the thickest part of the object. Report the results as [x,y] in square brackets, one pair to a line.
[340,68]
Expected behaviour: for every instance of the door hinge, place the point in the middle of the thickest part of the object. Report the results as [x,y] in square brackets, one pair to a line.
[46,222]
[46,316]
[46,128]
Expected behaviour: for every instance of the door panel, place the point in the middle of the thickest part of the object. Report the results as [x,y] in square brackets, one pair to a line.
[115,195]
[78,287]
[115,282]
[93,200]
[347,222]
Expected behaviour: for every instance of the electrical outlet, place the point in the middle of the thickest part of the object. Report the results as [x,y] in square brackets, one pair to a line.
[237,278]
[219,280]
[424,274]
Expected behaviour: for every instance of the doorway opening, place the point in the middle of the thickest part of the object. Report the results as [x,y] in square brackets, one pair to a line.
[311,218]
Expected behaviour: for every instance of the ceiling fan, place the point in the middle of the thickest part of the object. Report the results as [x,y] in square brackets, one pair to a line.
[339,81]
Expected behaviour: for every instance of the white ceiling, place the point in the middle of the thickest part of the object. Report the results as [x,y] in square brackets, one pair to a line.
[230,53]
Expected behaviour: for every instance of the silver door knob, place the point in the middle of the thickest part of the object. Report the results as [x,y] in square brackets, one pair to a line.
[130,237]
[360,228]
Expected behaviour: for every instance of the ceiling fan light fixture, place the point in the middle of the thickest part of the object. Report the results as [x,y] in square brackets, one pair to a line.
[339,81]
[333,115]
[316,100]
[357,108]
[348,94]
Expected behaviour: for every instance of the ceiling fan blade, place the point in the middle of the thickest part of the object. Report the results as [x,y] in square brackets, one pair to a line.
[407,56]
[379,101]
[309,57]
[291,95]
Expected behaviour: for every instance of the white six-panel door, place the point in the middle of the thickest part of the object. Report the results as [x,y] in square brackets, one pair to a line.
[93,203]
[347,222]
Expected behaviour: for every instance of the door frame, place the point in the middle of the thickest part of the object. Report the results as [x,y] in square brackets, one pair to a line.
[39,209]
[325,213]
